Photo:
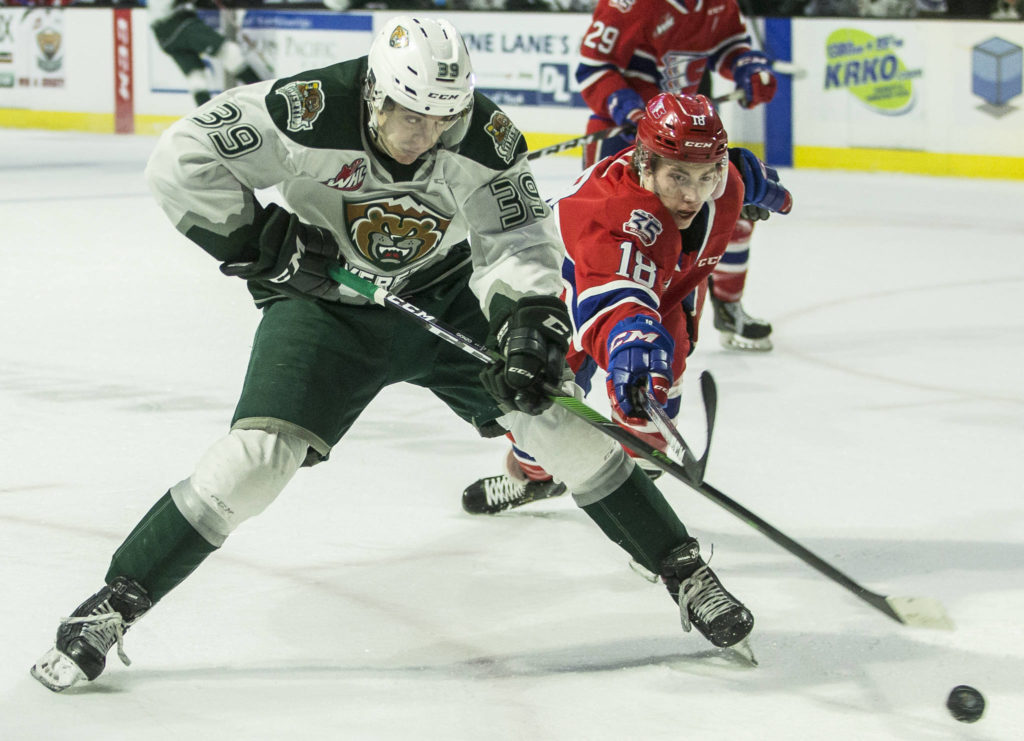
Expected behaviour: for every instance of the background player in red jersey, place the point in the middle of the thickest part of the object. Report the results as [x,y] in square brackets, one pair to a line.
[643,231]
[634,49]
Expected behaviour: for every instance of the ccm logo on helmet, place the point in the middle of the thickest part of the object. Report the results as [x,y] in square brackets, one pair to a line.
[698,145]
[442,96]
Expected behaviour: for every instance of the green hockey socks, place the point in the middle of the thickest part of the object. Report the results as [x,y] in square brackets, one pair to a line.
[161,551]
[637,518]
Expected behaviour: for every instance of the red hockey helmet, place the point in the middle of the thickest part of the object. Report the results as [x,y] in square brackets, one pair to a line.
[682,127]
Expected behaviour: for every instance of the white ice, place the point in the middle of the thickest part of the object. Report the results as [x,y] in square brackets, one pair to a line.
[884,432]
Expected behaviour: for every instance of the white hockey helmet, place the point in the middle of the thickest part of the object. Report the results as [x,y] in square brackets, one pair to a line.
[421,64]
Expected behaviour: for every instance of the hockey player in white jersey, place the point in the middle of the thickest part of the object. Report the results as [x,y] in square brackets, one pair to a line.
[393,166]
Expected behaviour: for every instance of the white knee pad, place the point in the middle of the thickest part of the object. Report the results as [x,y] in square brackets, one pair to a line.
[587,461]
[236,479]
[230,55]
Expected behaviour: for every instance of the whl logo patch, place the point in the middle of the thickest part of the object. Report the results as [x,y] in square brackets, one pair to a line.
[395,232]
[349,177]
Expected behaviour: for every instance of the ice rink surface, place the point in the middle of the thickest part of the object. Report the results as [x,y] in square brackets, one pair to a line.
[884,432]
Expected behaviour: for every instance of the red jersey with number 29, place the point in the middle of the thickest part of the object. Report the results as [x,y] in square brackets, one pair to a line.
[626,257]
[657,46]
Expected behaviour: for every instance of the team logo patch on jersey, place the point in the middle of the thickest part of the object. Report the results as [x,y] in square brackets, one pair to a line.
[505,135]
[645,226]
[305,103]
[394,232]
[349,177]
[681,70]
[623,6]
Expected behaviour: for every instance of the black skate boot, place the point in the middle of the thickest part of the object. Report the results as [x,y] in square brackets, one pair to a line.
[739,330]
[93,628]
[703,602]
[493,494]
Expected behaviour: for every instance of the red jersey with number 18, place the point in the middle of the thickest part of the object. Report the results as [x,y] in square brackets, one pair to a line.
[626,257]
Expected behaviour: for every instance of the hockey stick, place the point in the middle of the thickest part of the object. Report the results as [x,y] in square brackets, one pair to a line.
[581,141]
[383,297]
[920,612]
[676,444]
[778,65]
[789,68]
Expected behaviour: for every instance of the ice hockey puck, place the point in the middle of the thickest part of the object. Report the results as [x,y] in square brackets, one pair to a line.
[965,703]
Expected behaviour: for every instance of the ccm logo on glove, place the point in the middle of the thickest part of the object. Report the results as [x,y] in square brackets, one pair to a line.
[633,335]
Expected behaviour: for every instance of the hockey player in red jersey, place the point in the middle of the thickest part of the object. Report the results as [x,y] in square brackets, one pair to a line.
[634,49]
[643,230]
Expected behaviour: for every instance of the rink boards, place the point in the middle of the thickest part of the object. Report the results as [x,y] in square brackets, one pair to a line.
[935,97]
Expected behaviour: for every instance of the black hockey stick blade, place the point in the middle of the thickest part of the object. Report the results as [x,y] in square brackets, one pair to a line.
[709,392]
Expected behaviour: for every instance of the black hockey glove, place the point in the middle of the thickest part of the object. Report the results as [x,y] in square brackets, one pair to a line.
[532,337]
[293,257]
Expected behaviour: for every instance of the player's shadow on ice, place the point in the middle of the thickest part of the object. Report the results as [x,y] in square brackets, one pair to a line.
[788,660]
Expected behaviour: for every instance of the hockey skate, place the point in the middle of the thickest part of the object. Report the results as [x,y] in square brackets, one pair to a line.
[739,330]
[493,494]
[703,602]
[84,639]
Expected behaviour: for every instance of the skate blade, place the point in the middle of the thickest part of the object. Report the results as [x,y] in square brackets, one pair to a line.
[57,672]
[742,650]
[731,341]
